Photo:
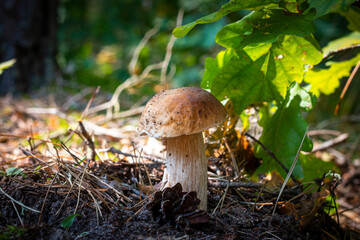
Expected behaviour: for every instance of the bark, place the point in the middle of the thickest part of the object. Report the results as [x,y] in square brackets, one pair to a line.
[186,163]
[28,34]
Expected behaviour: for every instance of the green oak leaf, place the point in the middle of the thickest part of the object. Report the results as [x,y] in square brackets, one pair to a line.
[308,100]
[232,35]
[213,66]
[324,7]
[343,42]
[314,167]
[291,55]
[352,16]
[227,8]
[264,27]
[251,76]
[242,80]
[282,135]
[255,52]
[327,80]
[290,5]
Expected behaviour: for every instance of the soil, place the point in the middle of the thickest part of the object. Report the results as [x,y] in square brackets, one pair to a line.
[229,223]
[116,196]
[134,221]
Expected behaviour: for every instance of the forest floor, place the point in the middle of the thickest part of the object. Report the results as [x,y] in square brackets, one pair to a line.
[61,178]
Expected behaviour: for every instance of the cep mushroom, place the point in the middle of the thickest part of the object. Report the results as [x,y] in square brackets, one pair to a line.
[179,116]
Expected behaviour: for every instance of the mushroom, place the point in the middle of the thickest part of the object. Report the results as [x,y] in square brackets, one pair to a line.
[179,116]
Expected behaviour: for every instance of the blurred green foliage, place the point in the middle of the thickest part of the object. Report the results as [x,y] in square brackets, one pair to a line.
[97,39]
[12,232]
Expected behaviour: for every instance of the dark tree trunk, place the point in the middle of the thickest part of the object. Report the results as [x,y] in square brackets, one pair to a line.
[28,34]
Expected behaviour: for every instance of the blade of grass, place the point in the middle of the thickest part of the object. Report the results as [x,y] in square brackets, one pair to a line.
[290,172]
[20,203]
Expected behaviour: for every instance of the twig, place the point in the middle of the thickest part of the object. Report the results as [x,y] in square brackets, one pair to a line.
[271,155]
[353,148]
[342,50]
[89,142]
[50,111]
[323,132]
[242,197]
[136,159]
[20,203]
[47,192]
[80,184]
[303,193]
[116,191]
[328,234]
[31,141]
[27,152]
[76,158]
[67,195]
[348,207]
[113,103]
[24,136]
[232,158]
[140,46]
[261,204]
[131,81]
[236,185]
[146,170]
[114,150]
[16,159]
[257,199]
[352,75]
[136,213]
[85,112]
[97,208]
[330,143]
[169,48]
[339,120]
[123,114]
[99,194]
[17,213]
[101,131]
[113,106]
[222,199]
[339,158]
[267,232]
[76,97]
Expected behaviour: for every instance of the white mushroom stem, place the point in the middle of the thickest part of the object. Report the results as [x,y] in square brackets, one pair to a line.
[186,163]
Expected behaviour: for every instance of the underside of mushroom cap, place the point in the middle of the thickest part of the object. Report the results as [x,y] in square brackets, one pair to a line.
[181,111]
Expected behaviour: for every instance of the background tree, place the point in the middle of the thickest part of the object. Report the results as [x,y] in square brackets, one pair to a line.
[28,34]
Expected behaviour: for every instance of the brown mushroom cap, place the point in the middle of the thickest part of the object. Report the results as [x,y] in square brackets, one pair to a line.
[181,111]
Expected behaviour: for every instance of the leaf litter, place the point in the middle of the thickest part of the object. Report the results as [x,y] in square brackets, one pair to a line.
[61,179]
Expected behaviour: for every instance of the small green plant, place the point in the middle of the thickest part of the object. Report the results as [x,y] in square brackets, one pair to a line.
[68,221]
[6,65]
[272,61]
[36,169]
[12,232]
[13,171]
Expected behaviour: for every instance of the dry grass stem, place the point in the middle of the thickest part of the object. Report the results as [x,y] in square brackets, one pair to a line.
[18,202]
[17,213]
